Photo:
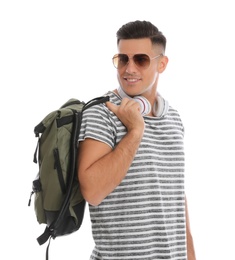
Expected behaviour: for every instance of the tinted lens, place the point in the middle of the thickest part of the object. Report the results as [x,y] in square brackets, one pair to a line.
[141,60]
[120,60]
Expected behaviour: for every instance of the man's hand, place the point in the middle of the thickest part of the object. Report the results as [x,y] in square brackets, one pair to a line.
[129,114]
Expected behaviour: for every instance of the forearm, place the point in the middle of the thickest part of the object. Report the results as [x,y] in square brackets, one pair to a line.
[105,174]
[190,245]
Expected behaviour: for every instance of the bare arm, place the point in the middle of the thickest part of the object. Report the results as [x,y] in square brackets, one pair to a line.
[190,245]
[101,169]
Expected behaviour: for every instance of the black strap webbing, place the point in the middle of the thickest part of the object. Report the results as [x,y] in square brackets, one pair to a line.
[47,251]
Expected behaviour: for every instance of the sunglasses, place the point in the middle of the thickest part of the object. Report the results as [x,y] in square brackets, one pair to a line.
[142,61]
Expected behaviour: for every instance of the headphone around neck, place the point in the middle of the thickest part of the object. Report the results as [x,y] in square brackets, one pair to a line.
[160,107]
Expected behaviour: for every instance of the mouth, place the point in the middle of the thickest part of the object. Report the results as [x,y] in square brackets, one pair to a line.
[132,80]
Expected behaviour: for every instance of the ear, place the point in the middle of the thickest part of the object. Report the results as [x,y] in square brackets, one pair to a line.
[163,61]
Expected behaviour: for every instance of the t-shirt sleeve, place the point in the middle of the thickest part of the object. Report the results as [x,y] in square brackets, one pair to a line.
[98,124]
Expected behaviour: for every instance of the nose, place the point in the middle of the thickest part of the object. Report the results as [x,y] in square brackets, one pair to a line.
[131,66]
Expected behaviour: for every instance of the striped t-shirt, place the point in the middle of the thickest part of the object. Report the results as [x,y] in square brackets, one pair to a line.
[144,217]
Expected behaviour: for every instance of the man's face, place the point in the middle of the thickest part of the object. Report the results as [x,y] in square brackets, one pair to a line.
[134,78]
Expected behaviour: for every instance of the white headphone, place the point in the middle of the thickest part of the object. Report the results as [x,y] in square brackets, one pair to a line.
[160,107]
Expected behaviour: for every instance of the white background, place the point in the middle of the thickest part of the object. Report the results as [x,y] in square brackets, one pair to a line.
[51,51]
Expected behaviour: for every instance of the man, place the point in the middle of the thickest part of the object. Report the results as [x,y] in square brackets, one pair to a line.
[131,159]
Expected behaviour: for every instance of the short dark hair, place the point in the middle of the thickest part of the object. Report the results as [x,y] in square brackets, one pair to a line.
[141,29]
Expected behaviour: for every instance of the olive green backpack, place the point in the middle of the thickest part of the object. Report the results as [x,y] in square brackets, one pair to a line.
[58,202]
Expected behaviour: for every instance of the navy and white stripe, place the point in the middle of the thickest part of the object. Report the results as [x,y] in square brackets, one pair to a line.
[144,217]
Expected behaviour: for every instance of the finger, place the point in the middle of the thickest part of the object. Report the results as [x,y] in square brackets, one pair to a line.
[112,107]
[131,104]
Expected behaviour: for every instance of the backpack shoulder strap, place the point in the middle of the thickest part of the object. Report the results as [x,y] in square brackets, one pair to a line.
[95,101]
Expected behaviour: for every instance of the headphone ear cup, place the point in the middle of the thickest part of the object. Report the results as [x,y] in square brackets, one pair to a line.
[145,106]
[160,107]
